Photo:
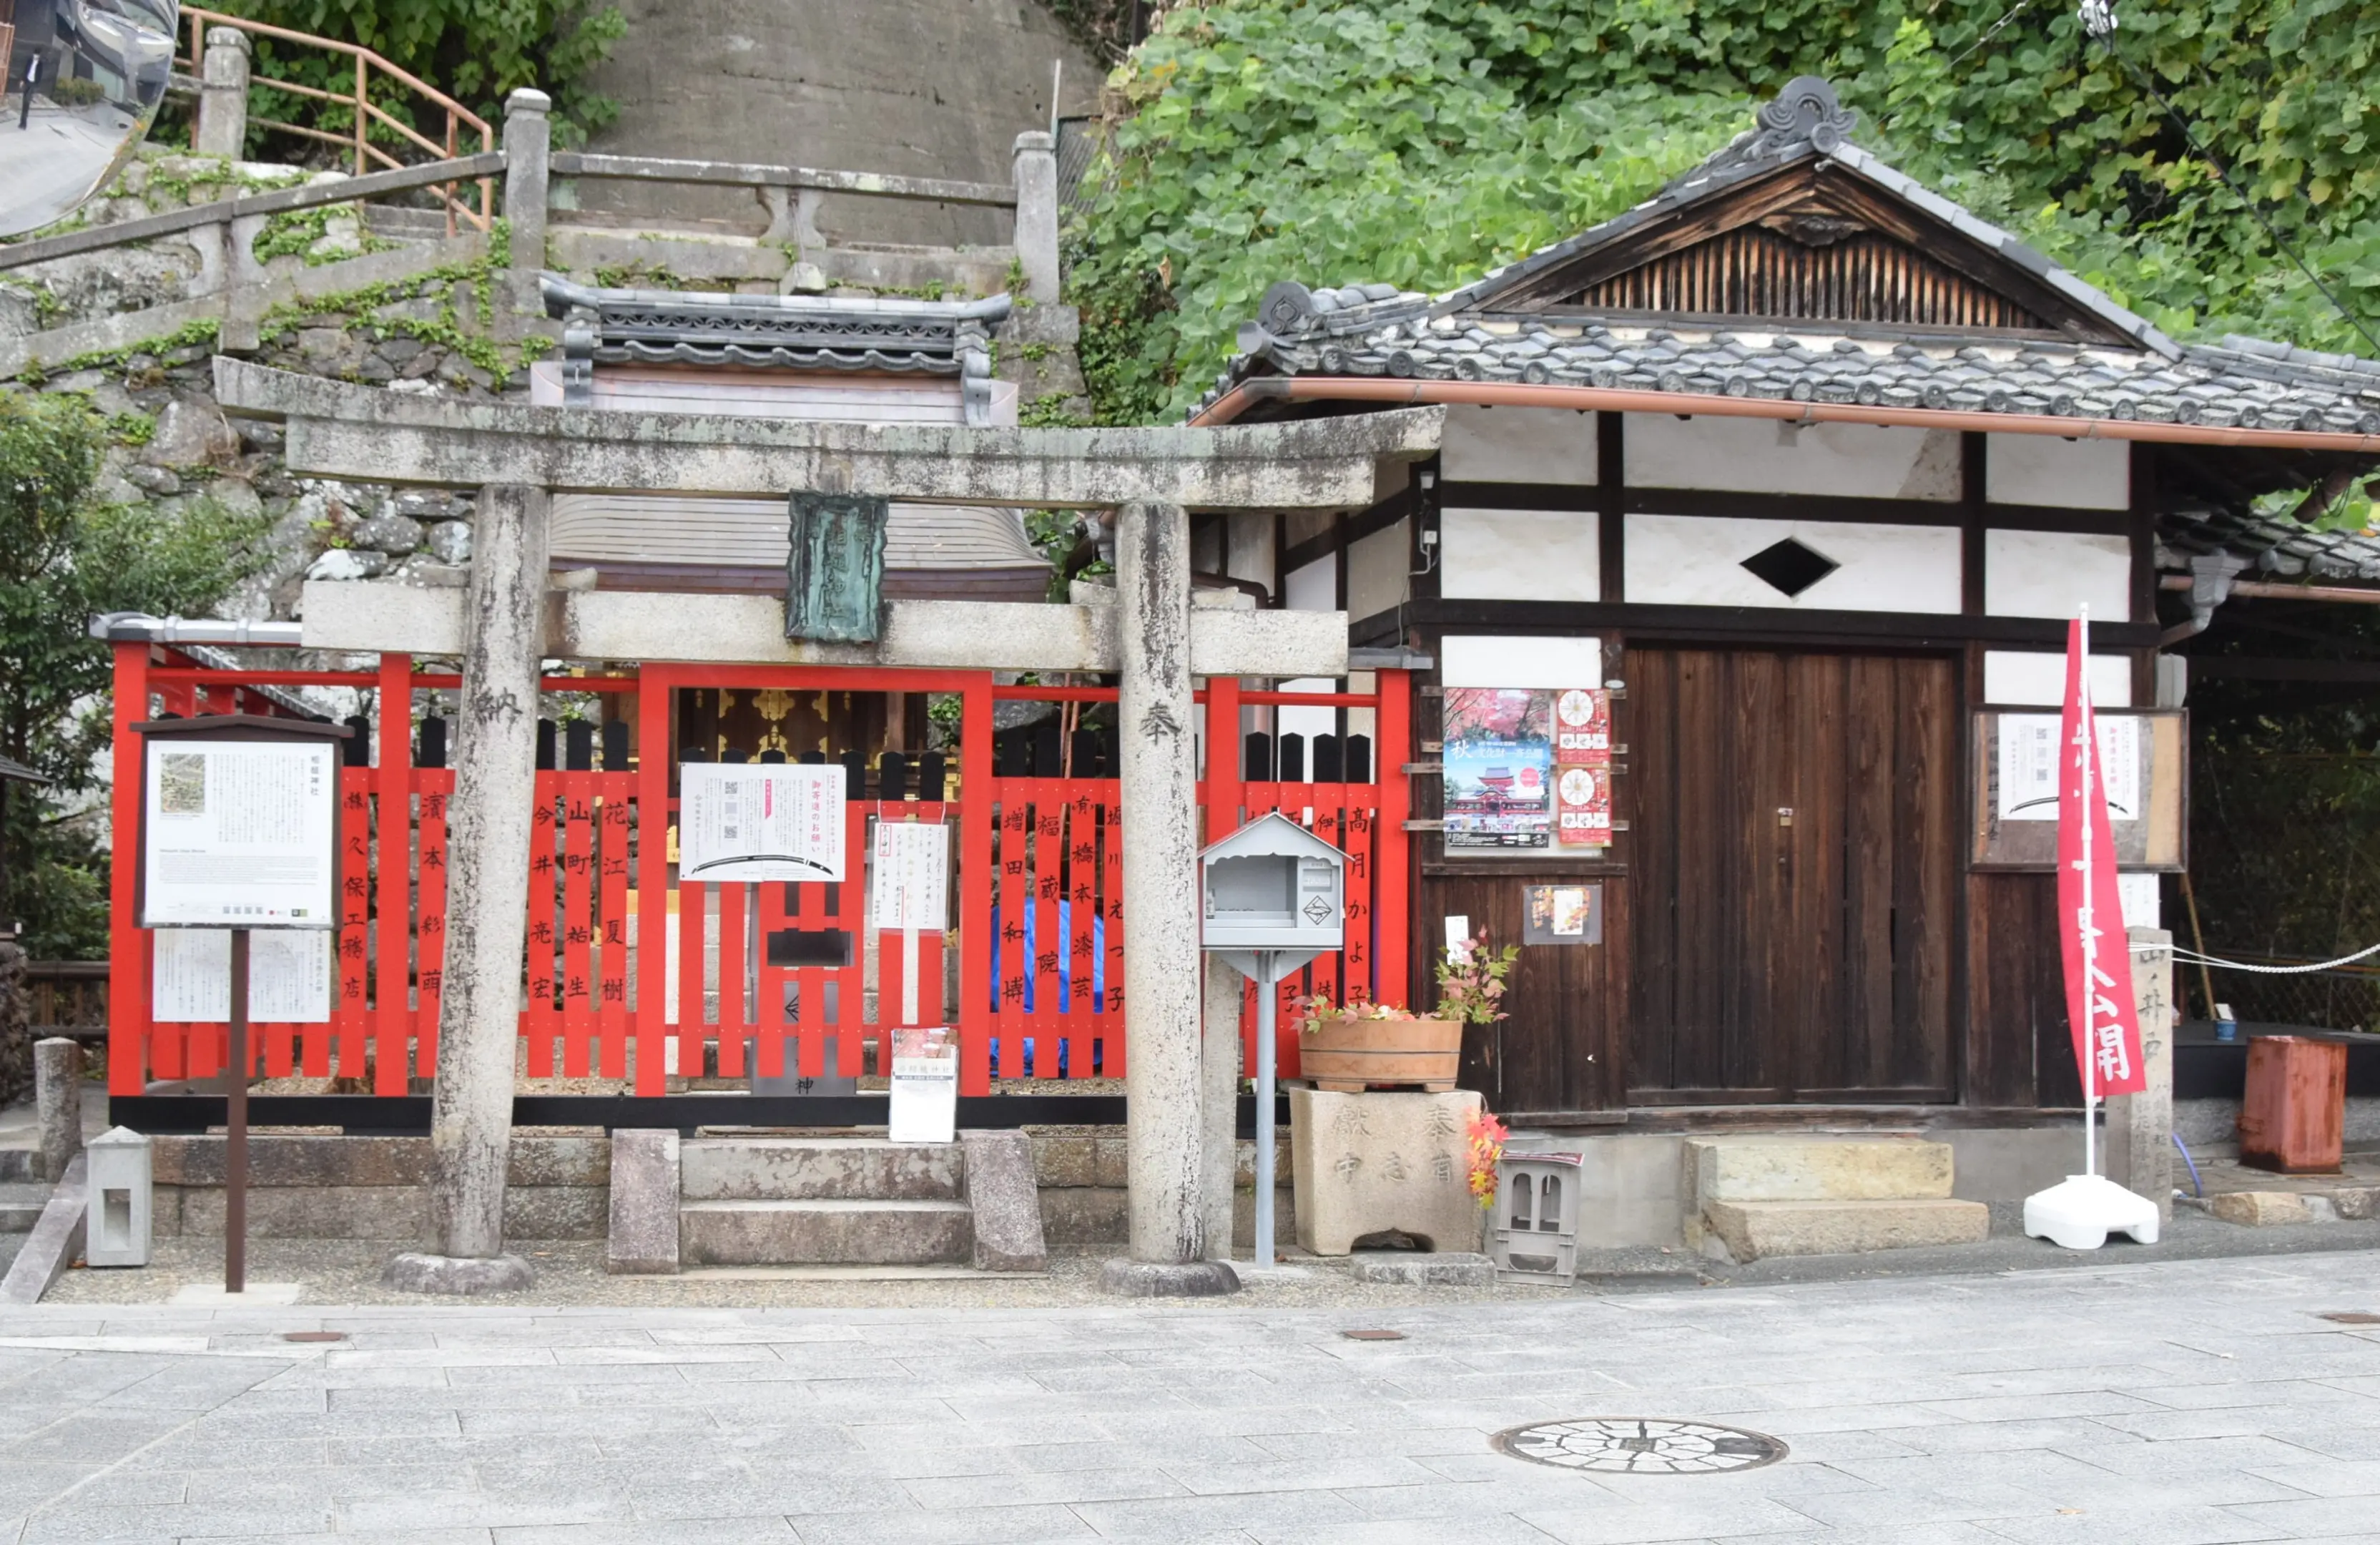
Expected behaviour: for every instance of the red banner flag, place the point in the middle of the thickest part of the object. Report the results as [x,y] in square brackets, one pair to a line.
[2090,912]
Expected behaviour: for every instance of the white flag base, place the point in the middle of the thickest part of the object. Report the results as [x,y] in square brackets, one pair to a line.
[2080,1212]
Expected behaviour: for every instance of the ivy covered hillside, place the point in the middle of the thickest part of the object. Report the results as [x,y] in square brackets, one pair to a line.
[1421,142]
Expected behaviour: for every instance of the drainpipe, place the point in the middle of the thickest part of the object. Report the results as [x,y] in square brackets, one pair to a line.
[2210,586]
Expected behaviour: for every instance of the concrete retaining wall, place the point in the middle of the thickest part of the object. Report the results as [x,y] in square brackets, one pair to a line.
[1081,1172]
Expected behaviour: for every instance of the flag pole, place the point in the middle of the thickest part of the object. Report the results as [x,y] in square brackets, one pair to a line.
[2088,751]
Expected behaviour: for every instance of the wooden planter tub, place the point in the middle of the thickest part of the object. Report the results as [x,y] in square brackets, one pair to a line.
[1350,1055]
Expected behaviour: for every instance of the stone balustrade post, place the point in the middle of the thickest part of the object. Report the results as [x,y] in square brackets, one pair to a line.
[1036,216]
[223,94]
[528,149]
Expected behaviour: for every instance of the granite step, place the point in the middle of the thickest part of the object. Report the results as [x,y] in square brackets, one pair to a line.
[1751,1229]
[819,1169]
[825,1231]
[1767,1169]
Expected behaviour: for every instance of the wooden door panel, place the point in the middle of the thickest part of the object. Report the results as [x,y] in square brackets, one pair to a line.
[1807,957]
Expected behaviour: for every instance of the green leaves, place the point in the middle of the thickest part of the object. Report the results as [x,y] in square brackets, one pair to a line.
[63,557]
[1421,142]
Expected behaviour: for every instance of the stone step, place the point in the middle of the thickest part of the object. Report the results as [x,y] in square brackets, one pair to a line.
[825,1232]
[807,1169]
[1751,1230]
[1765,1169]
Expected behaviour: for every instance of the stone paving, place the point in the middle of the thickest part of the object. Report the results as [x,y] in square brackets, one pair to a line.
[2180,1403]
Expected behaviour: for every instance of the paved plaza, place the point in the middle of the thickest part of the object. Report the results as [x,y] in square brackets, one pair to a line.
[2180,1402]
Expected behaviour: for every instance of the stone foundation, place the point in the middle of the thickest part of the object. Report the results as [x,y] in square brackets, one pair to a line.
[357,1187]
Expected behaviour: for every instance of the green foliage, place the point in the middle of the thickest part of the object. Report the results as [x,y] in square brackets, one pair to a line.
[64,557]
[1422,142]
[295,232]
[1049,411]
[475,51]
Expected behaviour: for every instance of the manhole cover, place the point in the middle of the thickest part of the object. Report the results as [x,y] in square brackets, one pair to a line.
[1373,1335]
[2352,1317]
[313,1335]
[1641,1445]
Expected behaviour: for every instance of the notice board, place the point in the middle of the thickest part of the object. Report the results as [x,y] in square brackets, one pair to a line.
[2014,773]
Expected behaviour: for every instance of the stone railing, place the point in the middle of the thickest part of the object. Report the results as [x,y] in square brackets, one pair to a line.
[211,277]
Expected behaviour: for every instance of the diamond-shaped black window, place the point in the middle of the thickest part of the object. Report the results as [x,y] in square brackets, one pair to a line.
[1792,566]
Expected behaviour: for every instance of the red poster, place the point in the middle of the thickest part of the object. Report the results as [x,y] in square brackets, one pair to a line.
[2090,913]
[1582,727]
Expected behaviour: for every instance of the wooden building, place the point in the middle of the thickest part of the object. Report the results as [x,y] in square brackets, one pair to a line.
[1807,468]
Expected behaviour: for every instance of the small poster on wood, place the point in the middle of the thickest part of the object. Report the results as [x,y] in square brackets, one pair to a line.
[1562,914]
[240,834]
[740,824]
[924,1085]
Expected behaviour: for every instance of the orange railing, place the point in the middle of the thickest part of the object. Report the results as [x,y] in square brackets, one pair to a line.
[460,120]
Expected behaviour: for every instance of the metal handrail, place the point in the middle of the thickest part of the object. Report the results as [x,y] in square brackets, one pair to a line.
[366,154]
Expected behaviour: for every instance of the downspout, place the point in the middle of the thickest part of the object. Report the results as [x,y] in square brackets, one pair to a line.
[2210,586]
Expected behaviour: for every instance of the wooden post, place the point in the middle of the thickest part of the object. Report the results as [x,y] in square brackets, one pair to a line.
[236,1124]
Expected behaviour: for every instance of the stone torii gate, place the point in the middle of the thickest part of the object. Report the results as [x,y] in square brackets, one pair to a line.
[506,620]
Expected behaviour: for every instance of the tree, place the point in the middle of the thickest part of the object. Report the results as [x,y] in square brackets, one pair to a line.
[63,556]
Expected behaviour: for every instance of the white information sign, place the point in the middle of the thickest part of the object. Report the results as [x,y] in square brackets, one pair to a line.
[760,821]
[924,1085]
[2029,759]
[913,867]
[240,834]
[288,977]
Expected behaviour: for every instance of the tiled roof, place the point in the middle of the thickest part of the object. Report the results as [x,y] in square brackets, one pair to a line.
[2272,546]
[771,331]
[1376,330]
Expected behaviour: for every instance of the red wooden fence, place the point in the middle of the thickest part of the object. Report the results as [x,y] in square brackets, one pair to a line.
[1038,907]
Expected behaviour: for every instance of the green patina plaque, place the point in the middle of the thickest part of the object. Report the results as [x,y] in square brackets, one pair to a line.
[834,581]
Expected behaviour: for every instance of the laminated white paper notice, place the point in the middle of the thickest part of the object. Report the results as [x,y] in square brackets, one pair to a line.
[240,834]
[288,977]
[760,821]
[2030,746]
[924,1085]
[912,867]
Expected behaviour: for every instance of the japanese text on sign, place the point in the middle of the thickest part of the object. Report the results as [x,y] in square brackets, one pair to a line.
[238,834]
[739,823]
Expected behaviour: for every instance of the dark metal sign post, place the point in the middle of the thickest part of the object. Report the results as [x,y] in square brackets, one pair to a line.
[239,830]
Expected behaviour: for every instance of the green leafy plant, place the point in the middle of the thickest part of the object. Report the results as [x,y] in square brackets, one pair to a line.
[1471,980]
[64,557]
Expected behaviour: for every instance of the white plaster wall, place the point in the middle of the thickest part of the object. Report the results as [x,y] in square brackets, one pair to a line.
[1314,588]
[1520,554]
[1376,571]
[1517,445]
[2043,469]
[1505,660]
[1768,456]
[2051,574]
[2026,678]
[1685,560]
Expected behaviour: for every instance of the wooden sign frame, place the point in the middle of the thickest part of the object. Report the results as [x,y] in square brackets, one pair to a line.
[2157,842]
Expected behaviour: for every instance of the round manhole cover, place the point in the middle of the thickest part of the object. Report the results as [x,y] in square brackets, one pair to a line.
[1641,1445]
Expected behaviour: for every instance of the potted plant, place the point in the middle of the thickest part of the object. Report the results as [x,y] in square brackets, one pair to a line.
[1471,991]
[1353,1045]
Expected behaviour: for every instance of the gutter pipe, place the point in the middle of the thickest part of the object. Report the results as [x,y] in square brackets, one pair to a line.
[1508,394]
[2258,589]
[139,627]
